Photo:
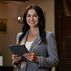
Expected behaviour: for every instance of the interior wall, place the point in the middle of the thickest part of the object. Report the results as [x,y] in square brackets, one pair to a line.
[11,11]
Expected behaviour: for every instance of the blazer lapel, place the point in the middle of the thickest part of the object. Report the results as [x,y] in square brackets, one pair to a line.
[36,41]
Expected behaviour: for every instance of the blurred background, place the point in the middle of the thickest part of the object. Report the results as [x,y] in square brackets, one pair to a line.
[58,20]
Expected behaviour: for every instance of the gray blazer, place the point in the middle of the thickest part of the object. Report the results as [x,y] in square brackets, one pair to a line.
[47,54]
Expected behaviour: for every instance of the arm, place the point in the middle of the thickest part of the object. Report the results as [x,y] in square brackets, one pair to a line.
[15,57]
[52,60]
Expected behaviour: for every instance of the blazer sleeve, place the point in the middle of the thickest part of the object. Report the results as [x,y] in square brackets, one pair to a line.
[52,59]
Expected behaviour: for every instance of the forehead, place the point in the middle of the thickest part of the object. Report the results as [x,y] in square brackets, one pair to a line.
[31,11]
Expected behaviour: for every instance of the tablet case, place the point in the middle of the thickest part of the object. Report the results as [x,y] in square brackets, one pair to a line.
[18,49]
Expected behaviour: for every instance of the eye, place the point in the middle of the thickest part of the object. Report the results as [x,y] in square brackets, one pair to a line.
[28,15]
[35,15]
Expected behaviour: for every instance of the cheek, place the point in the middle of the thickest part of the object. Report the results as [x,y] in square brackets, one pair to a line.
[36,19]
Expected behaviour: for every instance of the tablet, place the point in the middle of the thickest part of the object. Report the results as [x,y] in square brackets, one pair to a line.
[18,49]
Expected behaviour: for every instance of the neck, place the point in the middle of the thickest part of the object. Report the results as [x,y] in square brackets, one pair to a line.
[34,30]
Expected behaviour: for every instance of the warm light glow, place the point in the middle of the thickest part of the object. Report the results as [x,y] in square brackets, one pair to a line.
[19,18]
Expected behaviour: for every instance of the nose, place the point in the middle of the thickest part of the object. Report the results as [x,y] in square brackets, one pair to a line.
[31,18]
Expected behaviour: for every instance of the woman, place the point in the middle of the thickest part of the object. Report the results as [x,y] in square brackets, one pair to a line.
[40,44]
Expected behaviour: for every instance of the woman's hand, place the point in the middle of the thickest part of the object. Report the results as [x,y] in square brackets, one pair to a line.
[30,56]
[16,58]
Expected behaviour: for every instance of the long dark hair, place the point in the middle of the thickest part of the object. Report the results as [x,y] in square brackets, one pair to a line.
[41,23]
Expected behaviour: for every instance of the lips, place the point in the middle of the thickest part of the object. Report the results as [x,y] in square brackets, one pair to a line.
[32,22]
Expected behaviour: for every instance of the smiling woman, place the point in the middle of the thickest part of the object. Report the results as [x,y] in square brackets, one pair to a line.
[42,54]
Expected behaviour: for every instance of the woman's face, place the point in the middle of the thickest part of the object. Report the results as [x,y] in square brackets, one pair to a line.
[32,18]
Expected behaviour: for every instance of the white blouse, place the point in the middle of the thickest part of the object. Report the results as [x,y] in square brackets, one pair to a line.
[28,44]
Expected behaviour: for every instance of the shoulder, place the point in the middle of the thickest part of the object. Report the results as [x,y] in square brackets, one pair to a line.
[49,34]
[19,34]
[17,37]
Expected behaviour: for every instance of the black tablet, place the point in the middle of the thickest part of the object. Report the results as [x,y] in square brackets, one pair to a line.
[18,49]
